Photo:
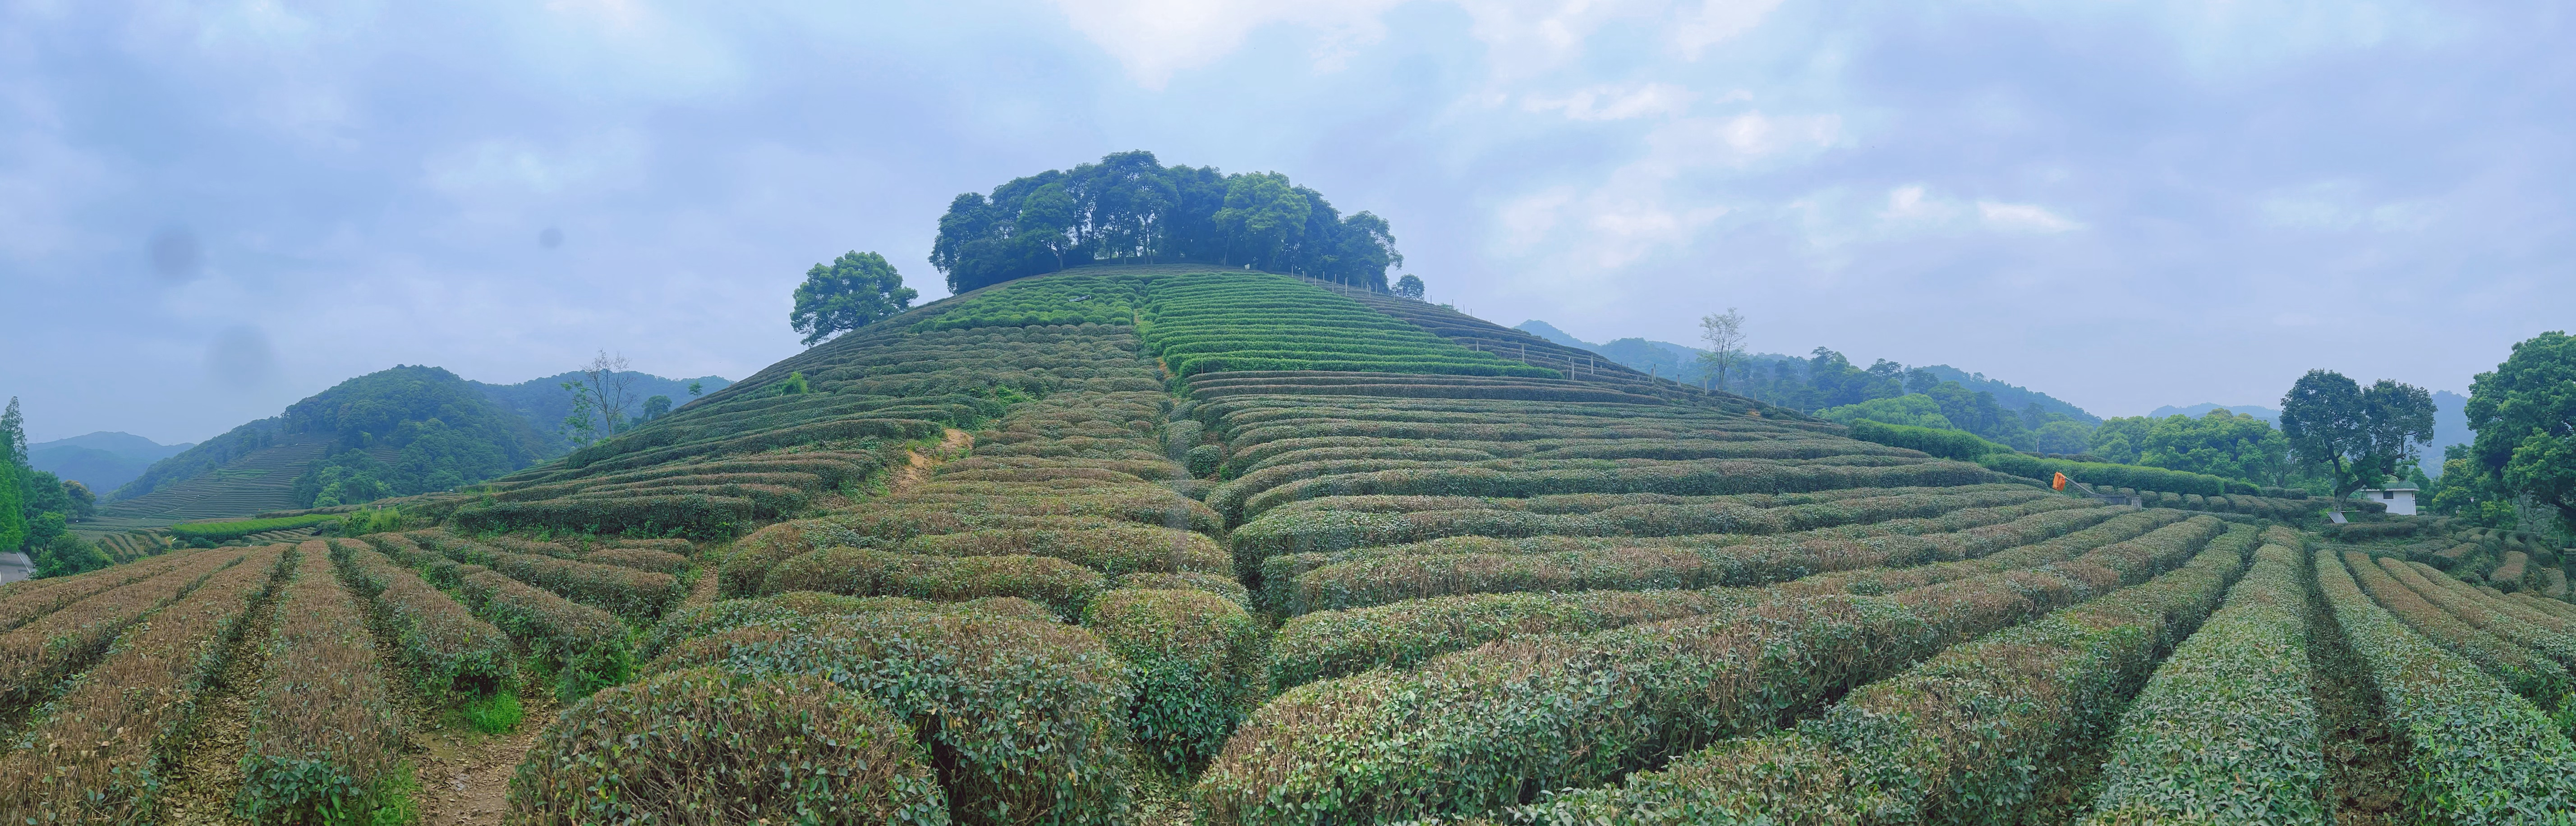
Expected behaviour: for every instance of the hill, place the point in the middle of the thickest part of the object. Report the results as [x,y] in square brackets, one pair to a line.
[103,460]
[1680,361]
[1180,544]
[405,430]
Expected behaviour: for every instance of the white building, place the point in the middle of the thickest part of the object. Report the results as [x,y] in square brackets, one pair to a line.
[2400,498]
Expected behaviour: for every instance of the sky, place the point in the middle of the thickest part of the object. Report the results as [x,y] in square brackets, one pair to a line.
[211,210]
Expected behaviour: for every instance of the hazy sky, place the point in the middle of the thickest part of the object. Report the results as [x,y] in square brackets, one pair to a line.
[208,211]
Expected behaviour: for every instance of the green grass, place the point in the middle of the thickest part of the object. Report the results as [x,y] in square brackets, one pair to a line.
[497,713]
[238,528]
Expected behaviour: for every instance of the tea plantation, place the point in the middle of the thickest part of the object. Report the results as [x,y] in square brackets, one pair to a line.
[1180,544]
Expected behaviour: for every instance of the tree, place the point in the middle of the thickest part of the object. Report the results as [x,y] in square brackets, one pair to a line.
[697,387]
[853,291]
[2524,412]
[2352,436]
[656,407]
[1264,216]
[13,472]
[1724,335]
[1410,286]
[2221,443]
[1131,207]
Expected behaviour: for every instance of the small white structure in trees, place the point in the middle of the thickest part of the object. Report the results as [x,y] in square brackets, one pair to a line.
[2400,498]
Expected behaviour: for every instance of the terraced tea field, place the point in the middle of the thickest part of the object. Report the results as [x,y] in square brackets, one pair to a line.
[1165,545]
[257,482]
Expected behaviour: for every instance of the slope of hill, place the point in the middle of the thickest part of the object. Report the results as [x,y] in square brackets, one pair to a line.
[404,430]
[104,460]
[2203,408]
[1039,552]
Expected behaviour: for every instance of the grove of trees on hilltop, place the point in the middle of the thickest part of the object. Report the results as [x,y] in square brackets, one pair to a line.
[1131,208]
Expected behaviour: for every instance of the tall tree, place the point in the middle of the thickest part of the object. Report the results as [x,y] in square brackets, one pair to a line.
[13,452]
[1410,286]
[1724,335]
[2524,412]
[2354,436]
[853,291]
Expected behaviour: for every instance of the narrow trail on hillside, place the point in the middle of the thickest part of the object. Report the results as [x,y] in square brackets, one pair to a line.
[465,775]
[208,774]
[2365,759]
[918,465]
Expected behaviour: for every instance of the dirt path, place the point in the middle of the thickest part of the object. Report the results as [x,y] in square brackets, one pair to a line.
[465,775]
[209,770]
[918,466]
[2365,759]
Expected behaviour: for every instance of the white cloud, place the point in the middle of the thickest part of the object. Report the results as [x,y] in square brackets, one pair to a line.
[517,168]
[2340,206]
[2004,217]
[1616,102]
[1155,38]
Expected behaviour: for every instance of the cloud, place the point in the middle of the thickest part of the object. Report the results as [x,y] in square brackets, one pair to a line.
[2340,206]
[1154,39]
[2004,217]
[1615,102]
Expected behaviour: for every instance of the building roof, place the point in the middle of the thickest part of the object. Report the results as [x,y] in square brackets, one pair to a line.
[2401,486]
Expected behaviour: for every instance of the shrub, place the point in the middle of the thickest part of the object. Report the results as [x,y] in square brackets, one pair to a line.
[108,747]
[641,559]
[2529,675]
[798,608]
[1616,476]
[1112,549]
[238,528]
[1203,460]
[45,650]
[705,746]
[1055,583]
[1030,717]
[2465,602]
[452,655]
[1329,644]
[1947,444]
[325,740]
[588,648]
[1976,734]
[1477,729]
[33,598]
[694,515]
[2226,726]
[1218,584]
[640,595]
[2508,576]
[1194,661]
[2093,473]
[2480,754]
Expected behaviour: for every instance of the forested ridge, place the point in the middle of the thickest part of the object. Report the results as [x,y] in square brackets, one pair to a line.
[1130,208]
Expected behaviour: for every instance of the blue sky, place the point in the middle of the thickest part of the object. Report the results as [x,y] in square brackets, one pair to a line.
[208,211]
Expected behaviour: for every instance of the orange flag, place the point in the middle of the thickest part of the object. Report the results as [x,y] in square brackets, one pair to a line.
[2058,483]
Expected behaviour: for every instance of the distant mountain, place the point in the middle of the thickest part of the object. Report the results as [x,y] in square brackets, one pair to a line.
[1681,362]
[423,419]
[2203,408]
[103,460]
[544,403]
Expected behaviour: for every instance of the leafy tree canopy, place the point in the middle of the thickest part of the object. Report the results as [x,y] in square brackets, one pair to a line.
[852,292]
[2355,436]
[1129,207]
[1913,409]
[2524,413]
